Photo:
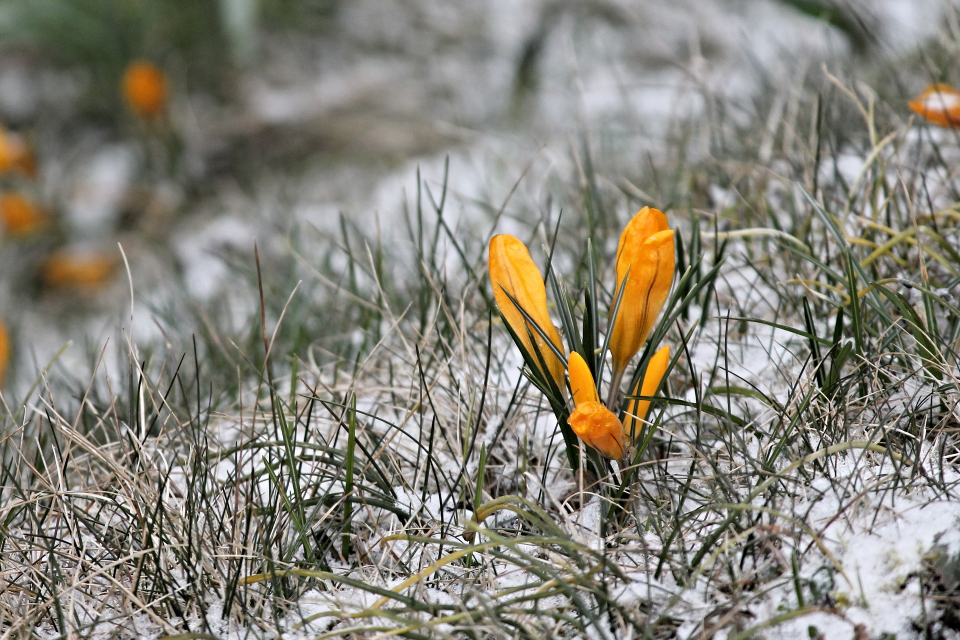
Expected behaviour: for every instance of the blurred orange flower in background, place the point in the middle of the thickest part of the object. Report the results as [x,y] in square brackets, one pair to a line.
[20,216]
[16,155]
[145,89]
[939,103]
[67,269]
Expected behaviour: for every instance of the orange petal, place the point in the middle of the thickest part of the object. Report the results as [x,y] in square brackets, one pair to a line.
[65,269]
[145,89]
[940,104]
[598,427]
[19,216]
[513,272]
[637,409]
[4,351]
[645,268]
[581,380]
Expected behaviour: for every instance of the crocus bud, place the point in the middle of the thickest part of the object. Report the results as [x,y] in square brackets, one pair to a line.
[4,351]
[637,409]
[145,89]
[645,267]
[940,104]
[513,272]
[598,427]
[582,386]
[19,216]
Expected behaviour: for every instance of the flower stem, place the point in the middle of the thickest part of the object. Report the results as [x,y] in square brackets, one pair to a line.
[614,394]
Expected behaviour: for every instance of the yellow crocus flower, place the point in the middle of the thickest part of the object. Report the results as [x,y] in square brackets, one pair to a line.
[645,268]
[939,104]
[598,427]
[591,420]
[637,409]
[513,272]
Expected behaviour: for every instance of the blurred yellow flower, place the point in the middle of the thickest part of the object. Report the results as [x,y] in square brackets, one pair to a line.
[68,270]
[645,266]
[145,89]
[16,155]
[637,410]
[513,272]
[940,104]
[4,352]
[20,216]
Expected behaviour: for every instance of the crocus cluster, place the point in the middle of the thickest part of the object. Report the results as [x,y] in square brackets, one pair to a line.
[645,270]
[19,215]
[21,218]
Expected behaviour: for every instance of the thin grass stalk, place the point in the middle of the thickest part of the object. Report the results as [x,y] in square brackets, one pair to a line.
[348,476]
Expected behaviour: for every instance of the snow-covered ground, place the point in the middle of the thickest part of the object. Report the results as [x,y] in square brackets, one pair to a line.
[409,86]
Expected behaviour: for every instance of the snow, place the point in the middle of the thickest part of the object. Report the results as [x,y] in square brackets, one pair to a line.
[201,250]
[880,549]
[101,185]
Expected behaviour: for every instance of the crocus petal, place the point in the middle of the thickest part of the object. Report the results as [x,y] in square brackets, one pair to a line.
[637,409]
[4,351]
[581,380]
[513,272]
[19,216]
[645,267]
[599,428]
[940,104]
[145,89]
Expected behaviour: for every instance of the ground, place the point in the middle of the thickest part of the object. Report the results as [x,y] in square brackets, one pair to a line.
[293,410]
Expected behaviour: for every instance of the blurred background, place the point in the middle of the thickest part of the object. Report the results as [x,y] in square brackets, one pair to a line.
[148,144]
